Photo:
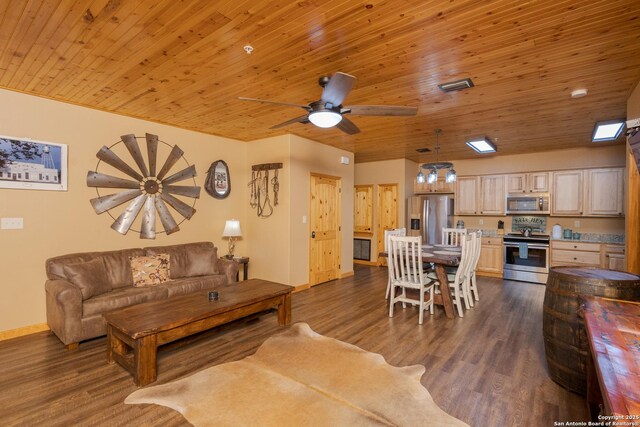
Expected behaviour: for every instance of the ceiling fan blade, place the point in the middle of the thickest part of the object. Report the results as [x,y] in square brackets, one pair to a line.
[182,190]
[152,152]
[347,126]
[183,209]
[131,143]
[96,179]
[189,172]
[381,110]
[109,157]
[148,225]
[338,88]
[264,101]
[302,119]
[174,156]
[169,224]
[124,221]
[104,203]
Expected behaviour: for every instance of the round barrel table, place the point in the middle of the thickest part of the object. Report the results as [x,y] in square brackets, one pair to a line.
[565,341]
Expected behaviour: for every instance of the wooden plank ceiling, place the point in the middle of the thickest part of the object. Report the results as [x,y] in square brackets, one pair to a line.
[183,63]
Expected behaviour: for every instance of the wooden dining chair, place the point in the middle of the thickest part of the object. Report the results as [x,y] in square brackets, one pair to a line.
[452,236]
[457,280]
[387,234]
[473,288]
[405,272]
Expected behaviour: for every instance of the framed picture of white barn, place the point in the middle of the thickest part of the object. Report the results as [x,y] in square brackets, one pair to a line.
[32,165]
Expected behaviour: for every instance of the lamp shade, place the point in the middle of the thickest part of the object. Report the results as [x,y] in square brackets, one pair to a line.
[232,228]
[325,118]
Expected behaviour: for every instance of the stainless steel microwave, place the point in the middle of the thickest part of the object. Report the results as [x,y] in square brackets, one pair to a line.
[529,204]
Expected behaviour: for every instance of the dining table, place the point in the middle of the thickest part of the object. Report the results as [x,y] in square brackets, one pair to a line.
[441,256]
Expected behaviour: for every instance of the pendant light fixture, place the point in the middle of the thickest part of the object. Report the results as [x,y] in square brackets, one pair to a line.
[433,168]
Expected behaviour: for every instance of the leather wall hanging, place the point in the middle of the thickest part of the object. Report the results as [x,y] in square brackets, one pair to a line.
[150,191]
[218,181]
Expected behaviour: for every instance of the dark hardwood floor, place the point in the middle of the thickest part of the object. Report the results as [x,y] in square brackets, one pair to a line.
[487,369]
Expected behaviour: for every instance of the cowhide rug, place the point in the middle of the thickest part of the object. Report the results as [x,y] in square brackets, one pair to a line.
[301,378]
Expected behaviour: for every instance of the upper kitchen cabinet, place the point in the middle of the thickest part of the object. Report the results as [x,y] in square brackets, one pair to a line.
[492,195]
[466,195]
[604,192]
[363,209]
[533,182]
[566,197]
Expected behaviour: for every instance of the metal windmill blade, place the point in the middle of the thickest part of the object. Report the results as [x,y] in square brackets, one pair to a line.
[149,193]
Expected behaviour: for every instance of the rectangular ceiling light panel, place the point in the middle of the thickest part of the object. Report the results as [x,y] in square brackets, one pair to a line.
[457,85]
[607,131]
[482,145]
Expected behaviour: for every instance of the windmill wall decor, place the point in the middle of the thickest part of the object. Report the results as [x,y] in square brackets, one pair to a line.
[150,189]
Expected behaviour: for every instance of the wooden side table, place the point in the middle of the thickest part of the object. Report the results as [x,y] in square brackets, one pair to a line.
[244,261]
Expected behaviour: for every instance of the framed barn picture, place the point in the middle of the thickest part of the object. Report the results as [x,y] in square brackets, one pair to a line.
[32,165]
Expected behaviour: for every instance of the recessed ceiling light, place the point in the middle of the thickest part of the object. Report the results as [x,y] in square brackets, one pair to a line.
[608,130]
[482,145]
[579,93]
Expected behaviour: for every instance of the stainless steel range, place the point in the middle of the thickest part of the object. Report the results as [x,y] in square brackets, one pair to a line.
[526,258]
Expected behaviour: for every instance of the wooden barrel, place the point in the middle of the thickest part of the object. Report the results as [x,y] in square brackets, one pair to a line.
[565,338]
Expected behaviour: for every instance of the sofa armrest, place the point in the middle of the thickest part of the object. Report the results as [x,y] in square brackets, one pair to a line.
[64,310]
[229,268]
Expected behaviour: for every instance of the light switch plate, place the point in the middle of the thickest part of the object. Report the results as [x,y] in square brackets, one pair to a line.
[576,224]
[304,219]
[12,223]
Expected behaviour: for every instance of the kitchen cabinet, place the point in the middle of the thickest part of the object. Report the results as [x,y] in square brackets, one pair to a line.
[566,195]
[363,209]
[613,257]
[491,257]
[466,196]
[492,195]
[575,253]
[533,182]
[604,192]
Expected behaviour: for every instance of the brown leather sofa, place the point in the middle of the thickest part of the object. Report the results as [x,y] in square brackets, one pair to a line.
[75,315]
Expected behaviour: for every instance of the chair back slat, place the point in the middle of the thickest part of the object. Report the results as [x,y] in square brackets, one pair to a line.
[393,232]
[453,236]
[405,259]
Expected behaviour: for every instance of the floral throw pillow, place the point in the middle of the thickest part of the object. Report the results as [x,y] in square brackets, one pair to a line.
[149,270]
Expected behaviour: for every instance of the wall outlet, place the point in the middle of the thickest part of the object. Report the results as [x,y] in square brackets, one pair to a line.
[576,224]
[11,223]
[481,221]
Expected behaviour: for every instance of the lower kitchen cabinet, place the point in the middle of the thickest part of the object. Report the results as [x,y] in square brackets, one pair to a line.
[587,254]
[491,257]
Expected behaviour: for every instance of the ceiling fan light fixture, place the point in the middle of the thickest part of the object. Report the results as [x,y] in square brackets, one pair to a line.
[325,118]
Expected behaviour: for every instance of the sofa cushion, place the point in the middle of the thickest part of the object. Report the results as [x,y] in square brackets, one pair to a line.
[117,263]
[190,259]
[193,284]
[122,297]
[89,276]
[149,270]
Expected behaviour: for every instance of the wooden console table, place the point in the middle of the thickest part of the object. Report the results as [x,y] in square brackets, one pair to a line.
[134,333]
[613,374]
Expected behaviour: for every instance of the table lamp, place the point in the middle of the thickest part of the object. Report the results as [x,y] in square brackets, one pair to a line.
[231,231]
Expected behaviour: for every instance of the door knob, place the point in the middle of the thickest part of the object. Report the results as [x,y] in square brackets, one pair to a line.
[313,234]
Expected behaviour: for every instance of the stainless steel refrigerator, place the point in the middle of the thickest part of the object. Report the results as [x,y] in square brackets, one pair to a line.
[428,215]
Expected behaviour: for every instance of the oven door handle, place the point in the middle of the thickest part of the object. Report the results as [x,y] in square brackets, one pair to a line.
[529,245]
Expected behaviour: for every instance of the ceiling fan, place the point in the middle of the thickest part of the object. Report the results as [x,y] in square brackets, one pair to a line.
[328,111]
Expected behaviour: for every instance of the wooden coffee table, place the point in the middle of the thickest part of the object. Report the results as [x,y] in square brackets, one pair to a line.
[134,333]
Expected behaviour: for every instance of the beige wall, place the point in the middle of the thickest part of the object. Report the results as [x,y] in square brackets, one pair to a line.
[398,171]
[57,223]
[309,157]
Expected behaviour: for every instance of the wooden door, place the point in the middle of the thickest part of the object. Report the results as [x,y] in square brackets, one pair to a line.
[604,192]
[492,196]
[324,225]
[466,196]
[567,193]
[363,209]
[387,214]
